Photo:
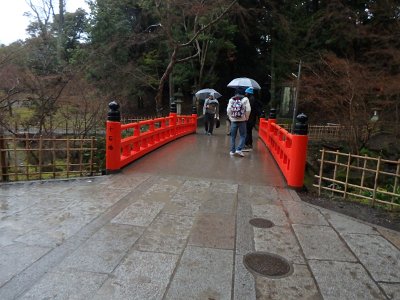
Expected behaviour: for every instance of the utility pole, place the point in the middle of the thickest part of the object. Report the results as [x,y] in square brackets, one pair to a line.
[60,41]
[295,102]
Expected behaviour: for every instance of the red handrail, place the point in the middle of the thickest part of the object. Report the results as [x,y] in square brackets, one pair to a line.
[289,150]
[143,137]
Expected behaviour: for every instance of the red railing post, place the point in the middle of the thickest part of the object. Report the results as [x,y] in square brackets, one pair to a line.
[113,138]
[288,149]
[298,152]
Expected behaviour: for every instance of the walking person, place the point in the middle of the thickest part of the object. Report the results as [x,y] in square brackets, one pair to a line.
[211,112]
[256,111]
[238,95]
[238,111]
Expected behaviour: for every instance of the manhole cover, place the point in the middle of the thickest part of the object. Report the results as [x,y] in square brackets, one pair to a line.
[267,264]
[261,223]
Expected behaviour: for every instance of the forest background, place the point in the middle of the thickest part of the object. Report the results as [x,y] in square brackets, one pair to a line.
[142,53]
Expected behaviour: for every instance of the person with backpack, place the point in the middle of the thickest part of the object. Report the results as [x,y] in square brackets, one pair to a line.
[256,111]
[238,94]
[238,111]
[211,112]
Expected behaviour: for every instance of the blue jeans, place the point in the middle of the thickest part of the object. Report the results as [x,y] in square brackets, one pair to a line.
[235,126]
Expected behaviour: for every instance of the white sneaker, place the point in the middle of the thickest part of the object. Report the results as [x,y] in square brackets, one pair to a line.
[239,153]
[231,153]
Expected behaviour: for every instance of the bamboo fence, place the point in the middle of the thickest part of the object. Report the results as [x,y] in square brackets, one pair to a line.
[324,132]
[369,178]
[27,158]
[337,132]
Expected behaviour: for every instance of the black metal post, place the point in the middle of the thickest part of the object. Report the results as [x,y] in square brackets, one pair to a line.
[272,113]
[113,114]
[301,126]
[172,108]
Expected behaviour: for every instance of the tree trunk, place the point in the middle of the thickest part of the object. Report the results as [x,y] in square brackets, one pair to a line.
[159,96]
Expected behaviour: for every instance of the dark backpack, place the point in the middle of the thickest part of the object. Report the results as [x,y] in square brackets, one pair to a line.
[238,109]
[211,106]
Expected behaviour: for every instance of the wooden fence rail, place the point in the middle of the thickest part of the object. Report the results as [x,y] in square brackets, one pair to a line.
[40,158]
[373,179]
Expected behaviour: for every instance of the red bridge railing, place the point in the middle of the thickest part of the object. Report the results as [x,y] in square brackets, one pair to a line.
[128,142]
[289,150]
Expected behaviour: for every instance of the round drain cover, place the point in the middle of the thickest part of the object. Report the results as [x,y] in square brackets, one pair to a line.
[268,264]
[261,223]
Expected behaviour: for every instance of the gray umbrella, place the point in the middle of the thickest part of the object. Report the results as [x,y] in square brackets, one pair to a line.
[204,93]
[244,82]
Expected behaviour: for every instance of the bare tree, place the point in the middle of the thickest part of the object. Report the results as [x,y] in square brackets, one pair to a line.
[348,93]
[199,12]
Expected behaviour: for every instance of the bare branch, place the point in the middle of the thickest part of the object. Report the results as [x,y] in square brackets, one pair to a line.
[214,21]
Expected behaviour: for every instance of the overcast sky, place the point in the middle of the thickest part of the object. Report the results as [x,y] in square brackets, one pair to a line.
[12,20]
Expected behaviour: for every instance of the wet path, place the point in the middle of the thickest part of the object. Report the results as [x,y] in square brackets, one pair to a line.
[175,225]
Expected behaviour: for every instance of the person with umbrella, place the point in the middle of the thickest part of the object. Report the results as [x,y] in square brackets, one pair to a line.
[238,111]
[211,112]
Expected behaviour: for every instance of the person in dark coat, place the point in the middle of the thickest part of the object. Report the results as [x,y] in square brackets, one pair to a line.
[256,111]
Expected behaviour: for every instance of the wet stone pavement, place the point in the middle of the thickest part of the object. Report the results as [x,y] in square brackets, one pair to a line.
[175,225]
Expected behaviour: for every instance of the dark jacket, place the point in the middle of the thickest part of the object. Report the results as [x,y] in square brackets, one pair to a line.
[256,109]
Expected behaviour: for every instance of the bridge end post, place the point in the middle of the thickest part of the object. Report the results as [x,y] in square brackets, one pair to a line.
[194,118]
[113,138]
[299,152]
[174,118]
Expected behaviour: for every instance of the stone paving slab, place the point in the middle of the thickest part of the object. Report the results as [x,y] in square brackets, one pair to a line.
[285,194]
[219,203]
[299,213]
[300,285]
[16,257]
[244,282]
[182,206]
[273,213]
[167,234]
[260,195]
[203,273]
[380,257]
[213,231]
[9,207]
[344,224]
[140,213]
[344,280]
[224,187]
[279,240]
[392,290]
[195,187]
[122,182]
[322,242]
[244,231]
[104,250]
[66,285]
[142,275]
